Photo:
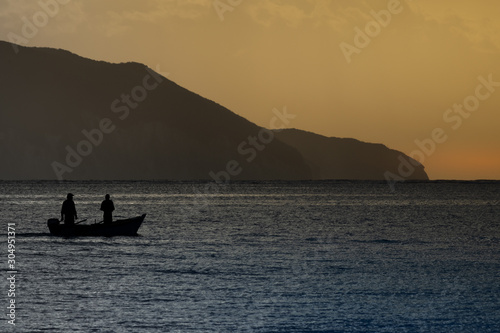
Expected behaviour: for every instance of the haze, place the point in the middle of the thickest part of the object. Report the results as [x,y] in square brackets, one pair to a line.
[254,55]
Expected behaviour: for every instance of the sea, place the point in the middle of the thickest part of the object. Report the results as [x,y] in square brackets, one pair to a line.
[327,256]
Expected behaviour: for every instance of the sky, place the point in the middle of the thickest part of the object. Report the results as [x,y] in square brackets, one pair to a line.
[420,76]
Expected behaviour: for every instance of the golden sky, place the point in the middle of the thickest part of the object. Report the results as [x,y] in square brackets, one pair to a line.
[254,55]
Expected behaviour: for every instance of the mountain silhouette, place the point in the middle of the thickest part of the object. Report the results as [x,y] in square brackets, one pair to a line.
[63,116]
[339,158]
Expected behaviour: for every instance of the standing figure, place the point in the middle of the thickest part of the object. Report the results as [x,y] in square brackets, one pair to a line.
[68,210]
[107,207]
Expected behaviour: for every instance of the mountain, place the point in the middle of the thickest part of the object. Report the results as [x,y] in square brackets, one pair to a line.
[63,116]
[338,158]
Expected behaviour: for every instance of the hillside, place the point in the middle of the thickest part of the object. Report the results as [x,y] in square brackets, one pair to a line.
[67,117]
[337,158]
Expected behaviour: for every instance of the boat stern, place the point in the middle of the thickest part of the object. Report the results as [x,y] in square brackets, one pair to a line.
[53,225]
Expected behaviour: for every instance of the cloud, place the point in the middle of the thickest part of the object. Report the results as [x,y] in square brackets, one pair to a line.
[59,18]
[335,13]
[154,10]
[11,12]
[483,34]
[477,22]
[123,16]
[267,12]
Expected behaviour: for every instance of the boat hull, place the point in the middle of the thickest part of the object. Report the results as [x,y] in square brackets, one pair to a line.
[128,227]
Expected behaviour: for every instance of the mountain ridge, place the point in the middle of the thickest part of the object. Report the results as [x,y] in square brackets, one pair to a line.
[370,160]
[150,127]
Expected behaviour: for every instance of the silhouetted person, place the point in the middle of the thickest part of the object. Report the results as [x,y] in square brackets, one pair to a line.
[107,207]
[68,210]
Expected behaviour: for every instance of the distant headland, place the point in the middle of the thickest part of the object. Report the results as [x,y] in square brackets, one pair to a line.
[70,118]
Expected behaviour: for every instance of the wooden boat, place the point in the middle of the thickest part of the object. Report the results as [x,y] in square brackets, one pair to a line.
[126,227]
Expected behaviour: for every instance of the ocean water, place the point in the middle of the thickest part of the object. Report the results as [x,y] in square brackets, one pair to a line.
[258,257]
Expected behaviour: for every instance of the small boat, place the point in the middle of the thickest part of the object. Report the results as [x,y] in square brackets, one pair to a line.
[126,227]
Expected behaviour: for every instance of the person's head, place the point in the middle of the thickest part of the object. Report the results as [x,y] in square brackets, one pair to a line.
[70,196]
[107,196]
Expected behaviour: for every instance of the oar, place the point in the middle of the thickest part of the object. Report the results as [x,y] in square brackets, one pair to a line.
[81,221]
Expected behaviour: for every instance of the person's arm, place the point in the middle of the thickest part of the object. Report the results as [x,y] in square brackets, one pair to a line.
[74,211]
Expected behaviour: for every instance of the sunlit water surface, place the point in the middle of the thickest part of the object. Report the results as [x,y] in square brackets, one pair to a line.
[259,257]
